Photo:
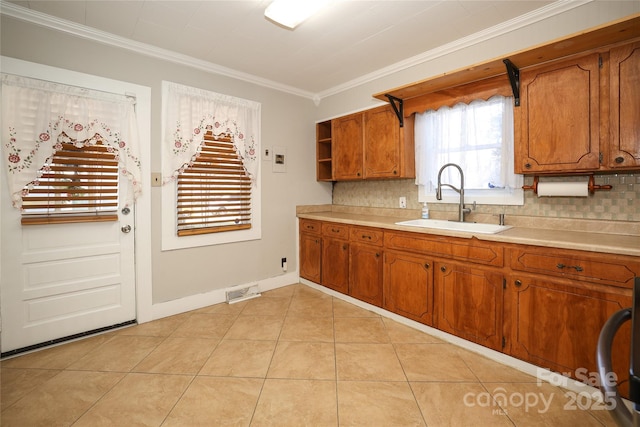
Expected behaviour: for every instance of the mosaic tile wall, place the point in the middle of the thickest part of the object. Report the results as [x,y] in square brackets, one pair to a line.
[621,203]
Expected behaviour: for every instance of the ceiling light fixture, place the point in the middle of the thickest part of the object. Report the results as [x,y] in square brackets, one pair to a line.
[290,13]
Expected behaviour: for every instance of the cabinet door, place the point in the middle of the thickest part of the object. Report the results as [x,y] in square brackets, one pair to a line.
[624,110]
[557,325]
[557,124]
[365,273]
[347,136]
[469,303]
[381,143]
[335,264]
[408,286]
[310,256]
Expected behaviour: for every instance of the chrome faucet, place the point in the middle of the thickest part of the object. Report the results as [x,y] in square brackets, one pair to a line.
[461,209]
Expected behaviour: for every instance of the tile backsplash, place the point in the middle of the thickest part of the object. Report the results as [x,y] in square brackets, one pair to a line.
[621,203]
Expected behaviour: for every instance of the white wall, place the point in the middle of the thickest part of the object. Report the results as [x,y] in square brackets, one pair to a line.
[287,121]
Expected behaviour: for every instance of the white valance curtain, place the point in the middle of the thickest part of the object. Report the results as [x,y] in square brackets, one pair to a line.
[191,112]
[39,116]
[477,136]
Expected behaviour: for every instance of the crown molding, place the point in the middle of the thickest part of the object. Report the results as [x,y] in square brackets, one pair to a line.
[532,17]
[47,21]
[82,31]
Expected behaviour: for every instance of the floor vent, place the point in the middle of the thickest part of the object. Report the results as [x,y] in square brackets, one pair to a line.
[243,294]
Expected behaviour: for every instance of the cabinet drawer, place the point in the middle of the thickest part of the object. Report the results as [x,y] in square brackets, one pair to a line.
[618,270]
[310,226]
[471,250]
[335,230]
[367,235]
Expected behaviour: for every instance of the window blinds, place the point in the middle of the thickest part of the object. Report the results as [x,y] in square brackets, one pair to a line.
[214,192]
[78,184]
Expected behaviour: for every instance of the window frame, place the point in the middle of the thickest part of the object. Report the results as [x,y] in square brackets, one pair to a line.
[466,94]
[169,218]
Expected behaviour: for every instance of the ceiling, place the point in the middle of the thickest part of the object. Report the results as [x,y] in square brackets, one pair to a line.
[346,41]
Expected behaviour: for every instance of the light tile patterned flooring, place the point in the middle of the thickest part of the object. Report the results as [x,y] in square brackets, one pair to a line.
[293,357]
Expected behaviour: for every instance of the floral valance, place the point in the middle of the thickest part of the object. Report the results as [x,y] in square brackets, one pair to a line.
[189,113]
[39,116]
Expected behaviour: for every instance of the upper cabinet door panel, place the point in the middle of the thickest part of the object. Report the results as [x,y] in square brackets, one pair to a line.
[559,117]
[625,106]
[381,143]
[348,147]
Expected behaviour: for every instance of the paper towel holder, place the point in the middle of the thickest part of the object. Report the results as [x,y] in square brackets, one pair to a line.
[592,185]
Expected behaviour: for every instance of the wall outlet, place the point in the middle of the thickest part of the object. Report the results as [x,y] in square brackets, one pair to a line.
[402,202]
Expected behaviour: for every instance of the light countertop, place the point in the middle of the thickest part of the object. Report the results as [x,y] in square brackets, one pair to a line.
[615,237]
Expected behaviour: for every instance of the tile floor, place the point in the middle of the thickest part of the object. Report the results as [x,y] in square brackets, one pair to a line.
[293,357]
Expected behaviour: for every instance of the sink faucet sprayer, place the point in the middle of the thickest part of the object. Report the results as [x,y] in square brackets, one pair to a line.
[461,209]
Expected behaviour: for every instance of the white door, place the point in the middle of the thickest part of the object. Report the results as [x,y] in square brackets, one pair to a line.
[58,280]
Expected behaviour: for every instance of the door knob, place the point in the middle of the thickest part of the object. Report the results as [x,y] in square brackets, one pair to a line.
[126,229]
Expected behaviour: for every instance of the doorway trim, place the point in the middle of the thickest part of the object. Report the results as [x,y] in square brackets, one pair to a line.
[143,271]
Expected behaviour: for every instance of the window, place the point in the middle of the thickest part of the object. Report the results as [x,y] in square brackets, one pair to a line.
[214,193]
[77,184]
[479,138]
[210,168]
[71,153]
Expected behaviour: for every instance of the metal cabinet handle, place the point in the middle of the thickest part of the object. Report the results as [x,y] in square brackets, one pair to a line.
[619,160]
[364,236]
[443,268]
[576,267]
[518,283]
[427,265]
[126,229]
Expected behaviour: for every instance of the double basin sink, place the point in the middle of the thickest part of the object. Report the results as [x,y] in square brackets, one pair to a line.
[469,227]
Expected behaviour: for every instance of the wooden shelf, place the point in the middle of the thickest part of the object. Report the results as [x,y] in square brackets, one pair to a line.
[324,152]
[614,32]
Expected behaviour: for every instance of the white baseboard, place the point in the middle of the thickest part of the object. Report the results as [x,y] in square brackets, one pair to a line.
[194,302]
[542,374]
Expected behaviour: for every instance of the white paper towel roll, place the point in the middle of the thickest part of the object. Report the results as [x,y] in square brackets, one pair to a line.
[563,189]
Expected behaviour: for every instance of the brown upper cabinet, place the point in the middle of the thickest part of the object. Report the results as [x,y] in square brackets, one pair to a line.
[557,124]
[579,99]
[365,145]
[624,102]
[580,114]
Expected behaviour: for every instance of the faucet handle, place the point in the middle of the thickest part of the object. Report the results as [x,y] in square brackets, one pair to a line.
[473,206]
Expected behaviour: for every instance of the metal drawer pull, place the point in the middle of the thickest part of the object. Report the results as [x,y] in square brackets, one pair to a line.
[364,236]
[335,230]
[577,267]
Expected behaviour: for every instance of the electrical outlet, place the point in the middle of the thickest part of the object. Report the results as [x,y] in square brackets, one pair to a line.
[402,202]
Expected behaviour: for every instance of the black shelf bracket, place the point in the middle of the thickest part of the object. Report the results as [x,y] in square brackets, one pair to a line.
[514,77]
[398,108]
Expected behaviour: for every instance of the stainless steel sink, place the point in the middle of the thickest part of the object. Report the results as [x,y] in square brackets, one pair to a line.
[469,227]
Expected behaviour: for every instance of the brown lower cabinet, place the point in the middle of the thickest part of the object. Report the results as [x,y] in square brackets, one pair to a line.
[545,306]
[408,286]
[365,273]
[469,301]
[335,264]
[555,324]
